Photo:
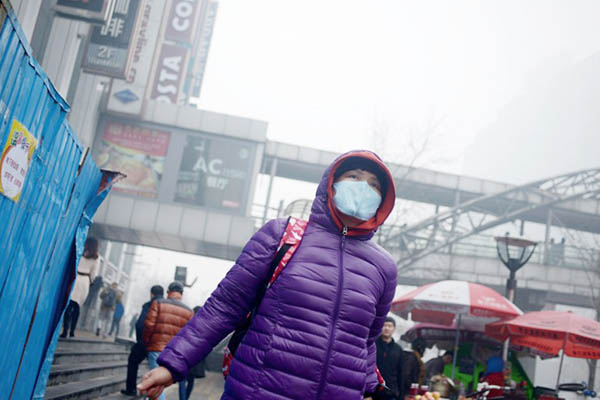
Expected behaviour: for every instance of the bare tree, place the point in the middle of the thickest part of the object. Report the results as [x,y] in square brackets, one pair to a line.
[405,149]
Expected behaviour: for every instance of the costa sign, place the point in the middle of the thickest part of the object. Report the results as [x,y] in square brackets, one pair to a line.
[169,73]
[182,21]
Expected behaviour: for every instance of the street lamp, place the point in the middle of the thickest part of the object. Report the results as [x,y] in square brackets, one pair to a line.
[514,253]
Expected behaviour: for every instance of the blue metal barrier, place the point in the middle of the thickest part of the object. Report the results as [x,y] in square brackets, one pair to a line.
[44,228]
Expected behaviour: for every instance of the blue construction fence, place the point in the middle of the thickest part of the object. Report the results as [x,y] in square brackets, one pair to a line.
[49,190]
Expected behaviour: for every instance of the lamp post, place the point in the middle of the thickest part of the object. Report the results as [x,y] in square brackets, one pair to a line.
[514,253]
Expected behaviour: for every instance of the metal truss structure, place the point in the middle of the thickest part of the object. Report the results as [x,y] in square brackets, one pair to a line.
[537,201]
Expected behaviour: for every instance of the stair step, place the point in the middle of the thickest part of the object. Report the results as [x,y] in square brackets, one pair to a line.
[95,388]
[84,390]
[85,344]
[88,357]
[65,373]
[119,396]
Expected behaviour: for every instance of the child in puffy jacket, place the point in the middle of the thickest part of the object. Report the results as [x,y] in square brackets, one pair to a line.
[313,334]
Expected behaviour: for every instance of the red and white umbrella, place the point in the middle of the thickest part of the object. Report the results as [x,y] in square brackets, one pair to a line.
[551,332]
[442,301]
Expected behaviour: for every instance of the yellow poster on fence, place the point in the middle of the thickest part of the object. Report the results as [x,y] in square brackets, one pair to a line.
[17,153]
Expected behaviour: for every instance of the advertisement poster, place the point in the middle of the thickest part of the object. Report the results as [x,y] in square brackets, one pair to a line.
[137,152]
[215,172]
[17,153]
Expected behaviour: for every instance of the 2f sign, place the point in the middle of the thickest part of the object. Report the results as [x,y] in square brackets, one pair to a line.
[105,52]
[168,77]
[182,20]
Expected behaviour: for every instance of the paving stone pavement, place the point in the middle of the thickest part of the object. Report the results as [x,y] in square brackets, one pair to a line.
[209,388]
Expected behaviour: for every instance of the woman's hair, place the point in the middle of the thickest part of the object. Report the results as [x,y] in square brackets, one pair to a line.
[90,249]
[419,344]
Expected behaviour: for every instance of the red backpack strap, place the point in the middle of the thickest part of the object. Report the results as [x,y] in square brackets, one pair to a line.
[380,379]
[294,231]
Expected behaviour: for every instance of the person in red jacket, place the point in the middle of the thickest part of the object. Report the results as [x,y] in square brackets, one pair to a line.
[165,318]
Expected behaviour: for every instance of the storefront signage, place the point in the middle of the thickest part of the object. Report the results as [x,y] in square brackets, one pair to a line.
[201,52]
[16,157]
[172,63]
[93,11]
[108,48]
[182,21]
[127,95]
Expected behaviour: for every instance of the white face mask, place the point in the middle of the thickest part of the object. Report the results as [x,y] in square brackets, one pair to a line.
[356,199]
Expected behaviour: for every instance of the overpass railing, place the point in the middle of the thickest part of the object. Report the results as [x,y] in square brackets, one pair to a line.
[480,245]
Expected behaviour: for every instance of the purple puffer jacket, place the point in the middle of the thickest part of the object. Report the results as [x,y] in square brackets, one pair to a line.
[313,336]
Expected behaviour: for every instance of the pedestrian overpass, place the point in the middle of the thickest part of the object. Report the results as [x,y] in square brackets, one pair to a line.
[450,243]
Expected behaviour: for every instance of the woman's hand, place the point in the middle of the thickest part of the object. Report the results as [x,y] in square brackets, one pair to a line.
[155,381]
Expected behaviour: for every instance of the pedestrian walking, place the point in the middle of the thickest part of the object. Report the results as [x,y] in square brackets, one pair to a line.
[165,319]
[132,325]
[117,315]
[138,350]
[435,366]
[108,298]
[89,305]
[86,273]
[390,358]
[413,369]
[313,334]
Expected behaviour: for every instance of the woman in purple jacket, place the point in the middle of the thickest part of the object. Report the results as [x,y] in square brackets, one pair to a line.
[313,335]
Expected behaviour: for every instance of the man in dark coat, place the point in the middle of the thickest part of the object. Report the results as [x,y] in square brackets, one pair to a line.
[435,366]
[390,358]
[138,351]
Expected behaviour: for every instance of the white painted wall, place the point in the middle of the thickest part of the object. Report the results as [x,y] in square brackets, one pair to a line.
[27,14]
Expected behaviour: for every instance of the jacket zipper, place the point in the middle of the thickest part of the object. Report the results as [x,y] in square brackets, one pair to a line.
[335,310]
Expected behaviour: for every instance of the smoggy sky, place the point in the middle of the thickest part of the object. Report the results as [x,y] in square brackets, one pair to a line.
[323,73]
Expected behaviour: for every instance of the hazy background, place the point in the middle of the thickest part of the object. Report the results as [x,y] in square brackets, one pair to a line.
[324,73]
[503,90]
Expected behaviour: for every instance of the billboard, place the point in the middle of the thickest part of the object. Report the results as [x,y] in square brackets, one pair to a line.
[215,172]
[138,152]
[93,11]
[127,95]
[107,52]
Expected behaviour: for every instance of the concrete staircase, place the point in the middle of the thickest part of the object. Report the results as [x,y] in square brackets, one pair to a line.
[89,368]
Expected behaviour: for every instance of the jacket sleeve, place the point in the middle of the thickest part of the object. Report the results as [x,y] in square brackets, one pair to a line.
[383,307]
[150,322]
[227,306]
